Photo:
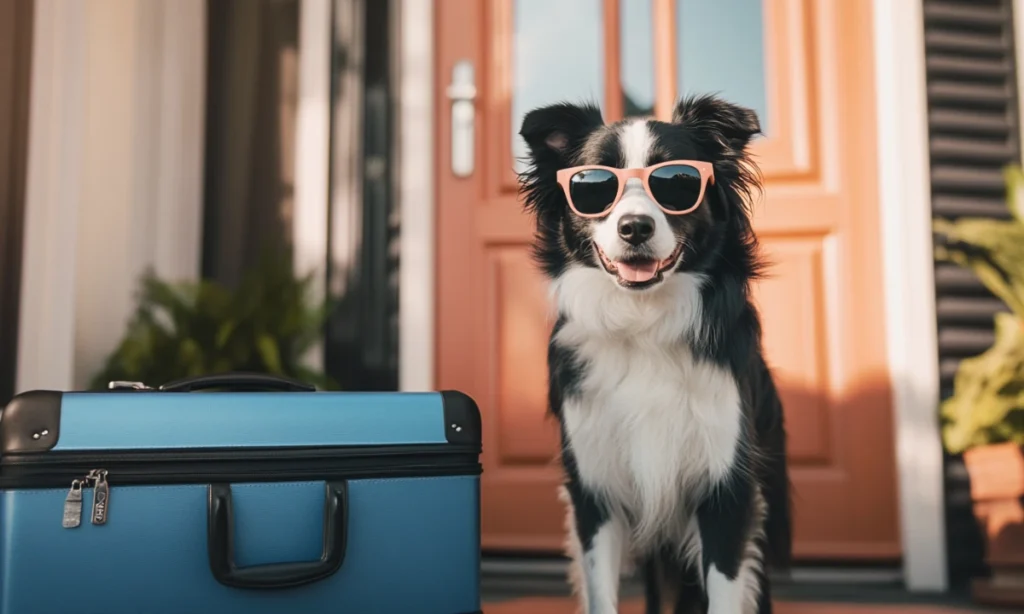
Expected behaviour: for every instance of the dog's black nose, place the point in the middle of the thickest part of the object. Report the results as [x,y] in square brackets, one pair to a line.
[635,229]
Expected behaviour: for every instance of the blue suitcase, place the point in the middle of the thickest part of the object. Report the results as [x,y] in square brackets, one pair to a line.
[264,498]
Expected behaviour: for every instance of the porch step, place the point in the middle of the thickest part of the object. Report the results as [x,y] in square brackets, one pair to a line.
[549,575]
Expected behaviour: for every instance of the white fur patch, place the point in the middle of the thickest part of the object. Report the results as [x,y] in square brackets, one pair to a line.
[636,142]
[662,315]
[651,424]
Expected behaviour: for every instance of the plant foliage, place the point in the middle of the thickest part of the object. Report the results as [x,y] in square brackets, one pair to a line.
[266,324]
[987,405]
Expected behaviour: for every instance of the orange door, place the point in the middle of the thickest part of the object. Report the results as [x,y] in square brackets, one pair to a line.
[805,65]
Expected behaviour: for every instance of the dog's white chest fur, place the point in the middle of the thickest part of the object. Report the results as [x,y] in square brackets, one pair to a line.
[650,426]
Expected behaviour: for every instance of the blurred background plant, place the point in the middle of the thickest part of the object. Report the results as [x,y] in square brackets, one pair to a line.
[265,324]
[987,405]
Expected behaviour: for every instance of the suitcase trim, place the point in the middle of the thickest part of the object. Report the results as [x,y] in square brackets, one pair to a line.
[151,468]
[461,418]
[31,422]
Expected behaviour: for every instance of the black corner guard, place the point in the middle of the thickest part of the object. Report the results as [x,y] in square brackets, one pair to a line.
[30,423]
[239,382]
[220,544]
[461,418]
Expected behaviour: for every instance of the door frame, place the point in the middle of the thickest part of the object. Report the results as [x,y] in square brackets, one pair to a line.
[15,71]
[904,201]
[410,33]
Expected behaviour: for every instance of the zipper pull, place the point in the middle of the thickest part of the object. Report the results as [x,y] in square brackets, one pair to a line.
[100,496]
[73,506]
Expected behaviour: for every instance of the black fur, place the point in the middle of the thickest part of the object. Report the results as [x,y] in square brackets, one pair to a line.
[720,244]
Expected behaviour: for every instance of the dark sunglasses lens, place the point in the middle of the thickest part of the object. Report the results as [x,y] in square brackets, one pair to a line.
[676,186]
[593,191]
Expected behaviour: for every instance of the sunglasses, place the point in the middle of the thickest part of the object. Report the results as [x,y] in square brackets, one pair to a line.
[677,186]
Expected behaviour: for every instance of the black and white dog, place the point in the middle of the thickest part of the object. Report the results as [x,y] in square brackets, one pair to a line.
[673,441]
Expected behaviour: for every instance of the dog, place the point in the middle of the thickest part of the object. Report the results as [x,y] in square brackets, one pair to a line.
[672,433]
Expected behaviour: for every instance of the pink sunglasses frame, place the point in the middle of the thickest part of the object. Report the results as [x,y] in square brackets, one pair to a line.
[706,170]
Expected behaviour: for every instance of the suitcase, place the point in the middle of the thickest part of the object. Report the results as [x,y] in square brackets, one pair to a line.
[239,494]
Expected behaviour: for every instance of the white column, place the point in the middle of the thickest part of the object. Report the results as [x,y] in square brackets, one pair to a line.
[904,198]
[312,149]
[416,194]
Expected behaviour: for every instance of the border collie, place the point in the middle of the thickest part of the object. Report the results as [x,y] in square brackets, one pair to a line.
[673,441]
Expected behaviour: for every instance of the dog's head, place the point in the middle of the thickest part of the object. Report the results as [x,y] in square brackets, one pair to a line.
[640,199]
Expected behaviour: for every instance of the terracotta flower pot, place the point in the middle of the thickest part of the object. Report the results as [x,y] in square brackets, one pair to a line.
[997,493]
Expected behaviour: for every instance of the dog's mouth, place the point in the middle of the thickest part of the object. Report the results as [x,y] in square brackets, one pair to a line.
[639,273]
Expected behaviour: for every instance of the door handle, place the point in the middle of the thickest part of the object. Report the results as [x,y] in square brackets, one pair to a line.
[462,94]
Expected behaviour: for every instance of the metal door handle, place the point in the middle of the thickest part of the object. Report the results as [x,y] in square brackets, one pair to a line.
[462,93]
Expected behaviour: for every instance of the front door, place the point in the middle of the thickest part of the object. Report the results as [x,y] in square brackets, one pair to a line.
[805,66]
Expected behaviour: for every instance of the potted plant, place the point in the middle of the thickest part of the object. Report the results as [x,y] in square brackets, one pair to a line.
[265,324]
[984,418]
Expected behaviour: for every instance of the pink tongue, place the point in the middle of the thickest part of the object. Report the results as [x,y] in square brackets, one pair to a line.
[637,272]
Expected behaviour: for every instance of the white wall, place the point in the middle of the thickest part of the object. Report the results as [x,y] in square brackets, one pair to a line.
[115,174]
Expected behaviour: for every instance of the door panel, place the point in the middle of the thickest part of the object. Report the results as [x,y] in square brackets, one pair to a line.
[794,317]
[821,304]
[519,302]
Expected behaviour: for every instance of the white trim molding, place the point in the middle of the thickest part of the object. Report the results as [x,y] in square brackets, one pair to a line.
[313,151]
[905,201]
[416,194]
[115,174]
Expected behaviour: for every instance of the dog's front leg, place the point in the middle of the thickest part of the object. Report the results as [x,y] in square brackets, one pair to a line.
[596,546]
[601,564]
[728,521]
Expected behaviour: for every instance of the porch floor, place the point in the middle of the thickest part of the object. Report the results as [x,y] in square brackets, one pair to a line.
[539,587]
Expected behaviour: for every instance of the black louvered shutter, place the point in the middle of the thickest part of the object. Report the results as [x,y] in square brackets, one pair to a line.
[974,133]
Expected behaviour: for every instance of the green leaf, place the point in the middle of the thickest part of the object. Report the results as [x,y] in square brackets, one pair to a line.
[1014,177]
[269,353]
[987,404]
[224,333]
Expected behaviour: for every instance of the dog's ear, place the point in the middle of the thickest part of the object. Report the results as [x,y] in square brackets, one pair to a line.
[557,130]
[730,124]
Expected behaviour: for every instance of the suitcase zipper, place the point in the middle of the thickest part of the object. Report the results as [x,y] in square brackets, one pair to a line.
[100,499]
[390,464]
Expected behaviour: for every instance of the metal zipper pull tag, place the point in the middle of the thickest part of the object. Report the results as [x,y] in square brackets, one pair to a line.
[73,506]
[100,496]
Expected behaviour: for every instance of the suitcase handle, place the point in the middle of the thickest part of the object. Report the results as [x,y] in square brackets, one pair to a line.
[221,547]
[239,382]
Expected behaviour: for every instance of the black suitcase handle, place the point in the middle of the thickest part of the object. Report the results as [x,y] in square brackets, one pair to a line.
[239,382]
[221,544]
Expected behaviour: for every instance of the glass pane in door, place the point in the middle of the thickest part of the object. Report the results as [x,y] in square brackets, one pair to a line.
[721,50]
[636,52]
[557,56]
